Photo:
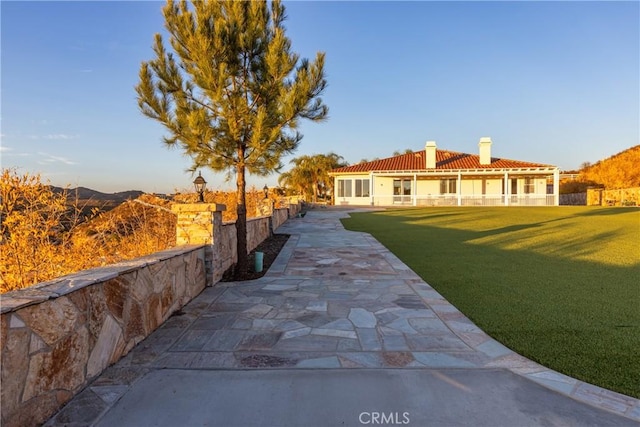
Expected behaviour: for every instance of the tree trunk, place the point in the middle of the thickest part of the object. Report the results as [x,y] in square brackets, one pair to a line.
[242,265]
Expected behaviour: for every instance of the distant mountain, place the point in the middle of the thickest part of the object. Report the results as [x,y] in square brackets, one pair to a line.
[84,193]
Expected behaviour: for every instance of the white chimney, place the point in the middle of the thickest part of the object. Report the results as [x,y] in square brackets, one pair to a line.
[430,149]
[485,150]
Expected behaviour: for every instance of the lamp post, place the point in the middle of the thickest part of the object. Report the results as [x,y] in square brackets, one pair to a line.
[200,185]
[266,191]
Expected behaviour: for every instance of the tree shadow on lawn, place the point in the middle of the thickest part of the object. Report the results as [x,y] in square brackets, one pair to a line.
[598,211]
[574,316]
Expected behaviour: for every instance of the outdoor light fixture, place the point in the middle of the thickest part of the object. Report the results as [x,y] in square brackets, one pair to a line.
[200,185]
[266,191]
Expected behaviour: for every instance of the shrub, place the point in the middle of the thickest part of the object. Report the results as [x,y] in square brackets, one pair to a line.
[44,233]
[35,230]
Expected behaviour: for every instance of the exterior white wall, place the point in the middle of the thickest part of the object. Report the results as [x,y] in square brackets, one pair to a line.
[353,200]
[428,187]
[470,190]
[471,187]
[494,186]
[384,186]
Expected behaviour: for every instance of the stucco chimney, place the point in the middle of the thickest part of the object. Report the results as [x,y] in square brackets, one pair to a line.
[485,150]
[430,149]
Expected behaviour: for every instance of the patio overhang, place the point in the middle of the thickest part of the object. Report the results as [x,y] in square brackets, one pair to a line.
[453,172]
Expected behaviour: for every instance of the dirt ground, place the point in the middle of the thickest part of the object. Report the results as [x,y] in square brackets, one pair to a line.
[271,248]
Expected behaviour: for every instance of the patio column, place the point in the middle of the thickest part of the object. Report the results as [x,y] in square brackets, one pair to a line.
[556,187]
[459,188]
[506,189]
[415,189]
[371,188]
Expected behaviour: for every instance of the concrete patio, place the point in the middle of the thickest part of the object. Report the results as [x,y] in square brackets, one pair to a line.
[338,332]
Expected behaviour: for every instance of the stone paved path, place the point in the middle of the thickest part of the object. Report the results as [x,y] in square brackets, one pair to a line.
[333,299]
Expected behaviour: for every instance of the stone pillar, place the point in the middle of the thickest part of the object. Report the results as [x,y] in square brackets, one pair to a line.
[199,224]
[265,208]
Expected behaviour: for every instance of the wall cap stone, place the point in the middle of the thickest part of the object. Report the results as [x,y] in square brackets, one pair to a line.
[198,207]
[14,300]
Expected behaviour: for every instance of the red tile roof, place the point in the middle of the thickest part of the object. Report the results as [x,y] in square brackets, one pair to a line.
[445,160]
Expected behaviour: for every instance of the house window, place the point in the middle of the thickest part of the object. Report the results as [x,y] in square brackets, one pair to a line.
[362,188]
[344,188]
[448,186]
[401,190]
[529,186]
[406,187]
[401,187]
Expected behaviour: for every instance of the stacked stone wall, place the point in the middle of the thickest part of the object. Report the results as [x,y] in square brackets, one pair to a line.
[573,199]
[294,209]
[620,197]
[59,335]
[196,221]
[225,253]
[280,216]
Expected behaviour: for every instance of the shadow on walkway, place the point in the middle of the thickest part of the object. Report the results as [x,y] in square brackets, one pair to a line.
[337,331]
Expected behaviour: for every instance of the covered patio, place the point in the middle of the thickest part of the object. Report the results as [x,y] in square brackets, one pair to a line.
[524,187]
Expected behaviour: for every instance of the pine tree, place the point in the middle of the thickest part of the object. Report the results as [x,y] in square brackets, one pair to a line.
[231,92]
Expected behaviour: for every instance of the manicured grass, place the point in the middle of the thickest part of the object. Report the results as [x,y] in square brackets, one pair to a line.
[559,285]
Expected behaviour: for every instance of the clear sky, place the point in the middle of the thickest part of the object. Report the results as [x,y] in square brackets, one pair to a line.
[549,82]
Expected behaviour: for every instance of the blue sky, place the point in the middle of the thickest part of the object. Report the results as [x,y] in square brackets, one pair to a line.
[554,83]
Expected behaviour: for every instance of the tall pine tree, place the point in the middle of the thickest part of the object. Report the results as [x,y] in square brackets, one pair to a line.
[231,92]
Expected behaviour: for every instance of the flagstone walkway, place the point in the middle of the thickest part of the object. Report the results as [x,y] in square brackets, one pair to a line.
[333,299]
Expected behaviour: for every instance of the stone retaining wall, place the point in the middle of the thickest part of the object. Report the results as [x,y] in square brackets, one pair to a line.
[225,253]
[573,199]
[59,335]
[621,197]
[280,216]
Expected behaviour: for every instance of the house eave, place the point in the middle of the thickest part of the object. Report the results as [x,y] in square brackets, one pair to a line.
[439,172]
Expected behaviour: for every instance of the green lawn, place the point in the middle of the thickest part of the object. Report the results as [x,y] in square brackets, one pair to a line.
[559,285]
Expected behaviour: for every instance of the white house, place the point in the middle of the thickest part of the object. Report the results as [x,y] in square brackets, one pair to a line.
[434,177]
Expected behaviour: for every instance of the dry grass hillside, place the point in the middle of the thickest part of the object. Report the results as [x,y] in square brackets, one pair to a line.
[618,171]
[46,234]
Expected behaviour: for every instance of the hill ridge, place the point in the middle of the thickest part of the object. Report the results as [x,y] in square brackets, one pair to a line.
[85,193]
[617,171]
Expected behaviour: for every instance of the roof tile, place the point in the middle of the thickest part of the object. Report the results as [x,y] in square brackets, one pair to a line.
[445,160]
